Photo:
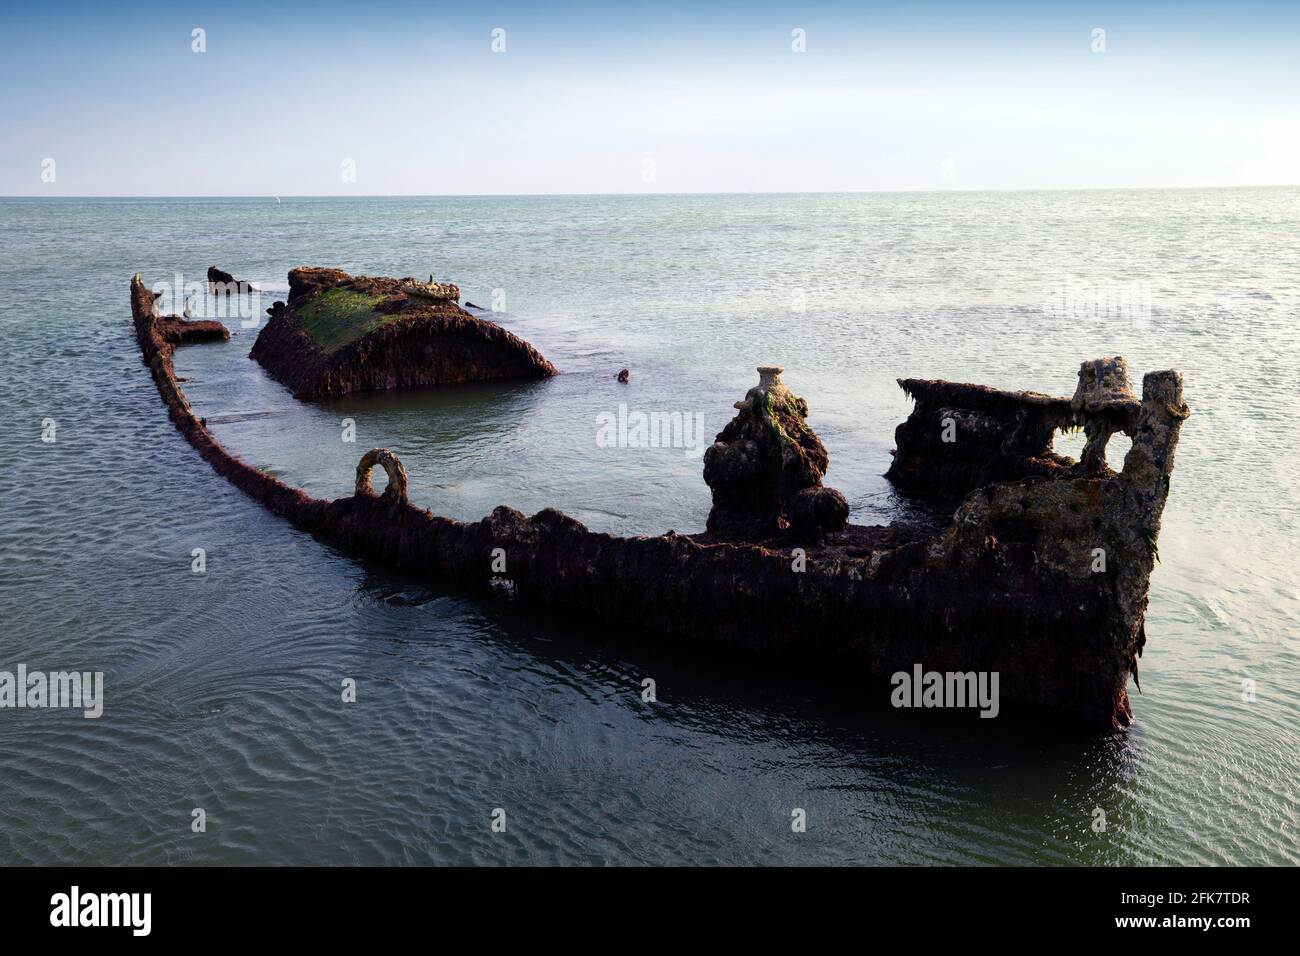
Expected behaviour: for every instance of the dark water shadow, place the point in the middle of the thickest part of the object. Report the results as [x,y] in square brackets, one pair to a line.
[1026,756]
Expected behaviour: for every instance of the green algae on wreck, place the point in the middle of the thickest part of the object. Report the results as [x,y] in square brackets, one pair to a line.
[339,316]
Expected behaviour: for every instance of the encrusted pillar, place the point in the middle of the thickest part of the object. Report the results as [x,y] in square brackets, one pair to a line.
[765,469]
[1101,401]
[1150,461]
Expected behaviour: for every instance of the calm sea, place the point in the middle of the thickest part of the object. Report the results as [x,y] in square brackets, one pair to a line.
[223,689]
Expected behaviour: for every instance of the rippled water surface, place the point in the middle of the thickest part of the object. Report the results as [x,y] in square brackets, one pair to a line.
[223,688]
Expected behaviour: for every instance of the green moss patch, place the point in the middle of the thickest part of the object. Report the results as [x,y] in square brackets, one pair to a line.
[341,315]
[789,410]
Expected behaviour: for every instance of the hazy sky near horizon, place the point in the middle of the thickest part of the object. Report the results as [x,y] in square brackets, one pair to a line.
[644,97]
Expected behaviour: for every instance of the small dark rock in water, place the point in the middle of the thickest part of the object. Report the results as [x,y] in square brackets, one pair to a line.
[471,305]
[221,281]
[624,375]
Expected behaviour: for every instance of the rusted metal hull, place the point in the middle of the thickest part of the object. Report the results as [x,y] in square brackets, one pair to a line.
[1010,586]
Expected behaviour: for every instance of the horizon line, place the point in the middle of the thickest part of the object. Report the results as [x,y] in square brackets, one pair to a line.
[774,192]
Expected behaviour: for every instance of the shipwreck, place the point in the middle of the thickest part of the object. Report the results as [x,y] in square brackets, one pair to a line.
[339,334]
[1040,575]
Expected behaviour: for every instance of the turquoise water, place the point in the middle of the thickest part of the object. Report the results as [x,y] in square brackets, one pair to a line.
[223,688]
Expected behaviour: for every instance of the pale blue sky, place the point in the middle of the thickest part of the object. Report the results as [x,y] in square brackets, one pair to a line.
[596,97]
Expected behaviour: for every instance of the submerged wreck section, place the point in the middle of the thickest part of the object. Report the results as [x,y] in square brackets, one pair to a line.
[1073,544]
[340,334]
[960,437]
[1012,586]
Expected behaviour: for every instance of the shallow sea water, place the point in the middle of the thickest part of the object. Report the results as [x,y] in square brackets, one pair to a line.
[223,689]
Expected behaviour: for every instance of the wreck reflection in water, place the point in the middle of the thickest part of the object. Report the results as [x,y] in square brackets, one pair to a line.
[712,770]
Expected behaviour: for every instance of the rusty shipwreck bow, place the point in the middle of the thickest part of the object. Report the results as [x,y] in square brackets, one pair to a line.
[1014,583]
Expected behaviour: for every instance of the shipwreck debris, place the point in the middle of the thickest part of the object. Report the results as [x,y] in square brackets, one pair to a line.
[383,458]
[223,283]
[339,334]
[1103,404]
[180,330]
[765,469]
[1010,586]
